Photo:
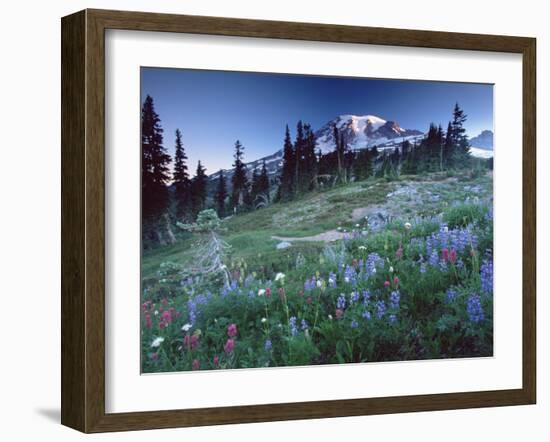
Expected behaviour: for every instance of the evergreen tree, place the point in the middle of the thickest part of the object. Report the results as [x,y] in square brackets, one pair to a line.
[461,145]
[430,149]
[255,186]
[182,184]
[448,149]
[309,162]
[409,154]
[440,143]
[341,148]
[395,159]
[286,186]
[154,168]
[198,189]
[239,194]
[221,195]
[263,186]
[386,166]
[299,146]
[362,165]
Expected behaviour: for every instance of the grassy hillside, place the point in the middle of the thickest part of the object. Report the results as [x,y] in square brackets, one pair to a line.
[251,234]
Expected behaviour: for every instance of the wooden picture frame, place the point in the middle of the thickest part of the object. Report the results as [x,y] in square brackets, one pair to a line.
[83,220]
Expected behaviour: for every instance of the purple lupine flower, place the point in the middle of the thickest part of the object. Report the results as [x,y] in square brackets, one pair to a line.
[366,315]
[354,324]
[310,284]
[192,310]
[332,280]
[366,297]
[268,345]
[474,309]
[458,239]
[451,294]
[486,275]
[394,299]
[293,328]
[202,299]
[354,297]
[380,309]
[374,262]
[304,325]
[392,318]
[434,259]
[341,302]
[429,246]
[350,275]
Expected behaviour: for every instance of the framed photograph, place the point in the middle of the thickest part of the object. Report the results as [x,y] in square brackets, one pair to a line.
[268,221]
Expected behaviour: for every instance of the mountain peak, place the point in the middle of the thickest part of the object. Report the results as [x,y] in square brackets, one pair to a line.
[483,141]
[361,131]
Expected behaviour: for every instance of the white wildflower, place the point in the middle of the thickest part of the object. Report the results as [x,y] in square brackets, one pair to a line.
[264,320]
[408,226]
[319,283]
[330,317]
[157,342]
[156,312]
[357,225]
[261,292]
[279,276]
[187,327]
[391,269]
[362,248]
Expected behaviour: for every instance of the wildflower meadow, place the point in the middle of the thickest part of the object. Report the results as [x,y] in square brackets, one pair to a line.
[412,289]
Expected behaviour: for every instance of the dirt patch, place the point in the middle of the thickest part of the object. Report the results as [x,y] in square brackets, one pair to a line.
[328,236]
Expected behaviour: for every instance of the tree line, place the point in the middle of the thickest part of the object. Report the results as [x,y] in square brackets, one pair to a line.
[169,197]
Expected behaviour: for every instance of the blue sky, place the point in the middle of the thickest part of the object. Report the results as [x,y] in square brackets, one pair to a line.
[215,108]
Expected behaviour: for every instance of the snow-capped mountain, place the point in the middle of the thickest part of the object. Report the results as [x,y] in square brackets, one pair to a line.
[363,131]
[483,141]
[273,163]
[482,145]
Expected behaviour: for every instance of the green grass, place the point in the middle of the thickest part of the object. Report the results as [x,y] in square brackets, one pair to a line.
[250,234]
